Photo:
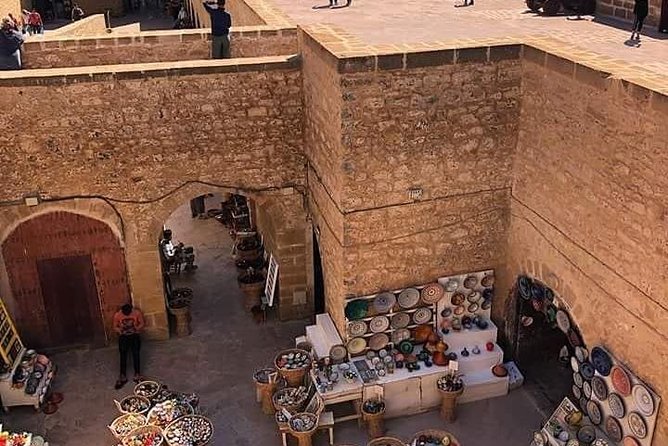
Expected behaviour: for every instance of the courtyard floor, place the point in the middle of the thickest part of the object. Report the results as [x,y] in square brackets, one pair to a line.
[217,362]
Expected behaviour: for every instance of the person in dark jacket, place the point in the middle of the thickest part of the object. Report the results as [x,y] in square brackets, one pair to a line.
[10,46]
[641,9]
[220,29]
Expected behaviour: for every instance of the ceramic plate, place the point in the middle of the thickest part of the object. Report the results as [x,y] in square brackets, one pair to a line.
[616,403]
[356,328]
[401,335]
[422,316]
[586,434]
[470,282]
[384,302]
[356,346]
[573,337]
[577,379]
[432,293]
[613,429]
[594,412]
[457,299]
[486,305]
[601,360]
[460,310]
[630,441]
[473,307]
[563,321]
[379,323]
[643,399]
[577,392]
[599,387]
[620,381]
[357,309]
[586,389]
[587,370]
[409,298]
[406,347]
[474,296]
[378,341]
[338,353]
[575,365]
[451,285]
[583,405]
[637,425]
[400,320]
[487,281]
[524,287]
[537,291]
[581,353]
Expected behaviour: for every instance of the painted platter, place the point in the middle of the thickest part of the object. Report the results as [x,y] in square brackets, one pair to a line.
[586,389]
[600,442]
[620,381]
[486,304]
[378,341]
[616,404]
[613,429]
[577,392]
[594,412]
[473,307]
[338,353]
[587,370]
[630,441]
[583,405]
[643,399]
[451,285]
[400,320]
[575,365]
[524,287]
[357,328]
[563,321]
[487,281]
[459,310]
[408,298]
[379,324]
[573,337]
[599,387]
[422,316]
[586,434]
[356,346]
[601,360]
[637,425]
[470,282]
[432,293]
[457,299]
[474,297]
[384,302]
[581,353]
[401,334]
[577,379]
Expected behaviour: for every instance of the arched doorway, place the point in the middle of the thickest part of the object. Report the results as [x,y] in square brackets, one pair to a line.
[67,276]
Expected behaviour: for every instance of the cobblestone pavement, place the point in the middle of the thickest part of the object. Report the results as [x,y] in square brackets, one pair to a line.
[415,21]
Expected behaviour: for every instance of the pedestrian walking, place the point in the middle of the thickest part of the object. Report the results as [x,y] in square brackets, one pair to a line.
[25,15]
[35,24]
[77,13]
[221,22]
[128,323]
[640,9]
[10,46]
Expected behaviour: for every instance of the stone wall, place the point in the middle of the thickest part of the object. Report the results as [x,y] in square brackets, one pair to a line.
[244,13]
[623,9]
[589,209]
[93,25]
[155,46]
[10,6]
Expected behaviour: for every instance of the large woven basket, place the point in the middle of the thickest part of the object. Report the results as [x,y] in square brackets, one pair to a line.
[141,430]
[294,377]
[435,433]
[314,419]
[119,404]
[386,441]
[186,408]
[292,408]
[113,427]
[169,426]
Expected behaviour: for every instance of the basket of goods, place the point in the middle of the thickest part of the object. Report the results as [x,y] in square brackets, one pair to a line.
[143,436]
[133,404]
[291,399]
[147,389]
[450,386]
[190,430]
[303,423]
[434,437]
[162,395]
[164,413]
[281,419]
[293,364]
[125,424]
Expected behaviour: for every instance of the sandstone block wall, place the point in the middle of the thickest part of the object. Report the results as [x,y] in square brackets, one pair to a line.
[13,6]
[623,9]
[92,25]
[154,46]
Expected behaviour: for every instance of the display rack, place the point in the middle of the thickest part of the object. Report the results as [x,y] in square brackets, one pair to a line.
[11,345]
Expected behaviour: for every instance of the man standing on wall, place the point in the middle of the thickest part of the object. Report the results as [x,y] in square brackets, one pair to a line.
[128,323]
[220,29]
[77,13]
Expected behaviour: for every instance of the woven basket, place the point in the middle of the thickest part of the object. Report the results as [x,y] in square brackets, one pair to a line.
[292,408]
[119,404]
[294,377]
[159,386]
[386,441]
[143,430]
[435,433]
[308,432]
[114,424]
[165,430]
[187,409]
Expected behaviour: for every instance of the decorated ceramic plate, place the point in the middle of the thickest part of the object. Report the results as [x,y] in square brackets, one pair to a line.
[406,347]
[601,360]
[575,365]
[384,302]
[577,392]
[457,299]
[587,370]
[474,296]
[613,429]
[356,328]
[599,387]
[459,310]
[637,425]
[524,287]
[451,285]
[583,405]
[563,321]
[338,353]
[470,282]
[409,298]
[487,281]
[643,399]
[577,379]
[537,291]
[617,407]
[486,304]
[401,334]
[620,381]
[586,434]
[422,316]
[473,307]
[379,324]
[400,320]
[378,341]
[356,309]
[586,389]
[573,336]
[630,441]
[594,412]
[356,346]
[432,293]
[581,353]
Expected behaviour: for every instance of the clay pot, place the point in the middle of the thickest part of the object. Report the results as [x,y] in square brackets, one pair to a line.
[433,338]
[440,358]
[499,370]
[421,334]
[441,346]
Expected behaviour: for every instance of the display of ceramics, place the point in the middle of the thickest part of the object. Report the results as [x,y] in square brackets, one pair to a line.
[487,281]
[613,429]
[400,320]
[620,380]
[587,370]
[575,365]
[586,389]
[630,441]
[473,308]
[599,387]
[581,353]
[616,404]
[563,321]
[577,392]
[643,400]
[338,353]
[586,434]
[357,309]
[577,379]
[378,341]
[601,360]
[400,335]
[408,298]
[457,299]
[470,282]
[459,310]
[379,324]
[637,425]
[524,287]
[356,346]
[594,412]
[432,293]
[422,316]
[384,302]
[357,328]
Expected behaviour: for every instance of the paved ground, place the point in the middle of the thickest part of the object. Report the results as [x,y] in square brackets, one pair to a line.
[217,361]
[413,21]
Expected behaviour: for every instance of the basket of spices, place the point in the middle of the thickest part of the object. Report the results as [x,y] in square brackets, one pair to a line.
[291,399]
[190,430]
[126,423]
[133,404]
[147,389]
[293,364]
[144,436]
[164,413]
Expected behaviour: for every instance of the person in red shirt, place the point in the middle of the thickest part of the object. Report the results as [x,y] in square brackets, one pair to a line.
[128,323]
[35,24]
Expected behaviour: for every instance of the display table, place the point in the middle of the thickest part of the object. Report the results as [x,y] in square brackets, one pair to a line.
[17,396]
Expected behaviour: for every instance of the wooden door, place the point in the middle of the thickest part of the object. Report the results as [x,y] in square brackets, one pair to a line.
[70,301]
